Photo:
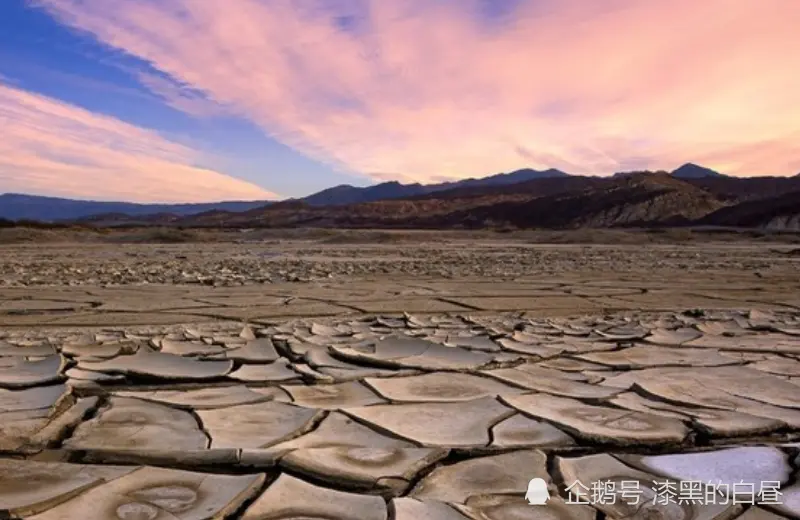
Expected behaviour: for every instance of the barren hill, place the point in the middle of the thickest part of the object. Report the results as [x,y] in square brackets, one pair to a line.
[780,213]
[639,199]
[539,200]
[740,189]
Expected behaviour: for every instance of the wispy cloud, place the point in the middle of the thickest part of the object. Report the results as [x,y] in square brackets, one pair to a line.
[445,88]
[180,97]
[54,148]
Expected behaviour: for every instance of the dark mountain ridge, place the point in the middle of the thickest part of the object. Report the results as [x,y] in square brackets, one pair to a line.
[15,206]
[781,212]
[639,199]
[346,194]
[738,189]
[535,187]
[537,196]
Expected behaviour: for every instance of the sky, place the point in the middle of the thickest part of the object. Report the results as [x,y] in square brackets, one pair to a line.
[207,100]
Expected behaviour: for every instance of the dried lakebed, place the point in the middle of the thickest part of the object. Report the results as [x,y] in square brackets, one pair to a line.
[434,417]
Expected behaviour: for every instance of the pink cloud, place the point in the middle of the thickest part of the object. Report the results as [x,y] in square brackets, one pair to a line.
[180,97]
[54,148]
[430,89]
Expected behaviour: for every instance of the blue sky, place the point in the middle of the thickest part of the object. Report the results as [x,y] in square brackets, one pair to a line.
[38,54]
[189,100]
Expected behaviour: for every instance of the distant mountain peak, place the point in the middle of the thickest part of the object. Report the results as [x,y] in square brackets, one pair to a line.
[19,206]
[388,190]
[695,171]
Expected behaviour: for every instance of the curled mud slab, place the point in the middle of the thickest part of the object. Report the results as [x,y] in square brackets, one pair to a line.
[440,417]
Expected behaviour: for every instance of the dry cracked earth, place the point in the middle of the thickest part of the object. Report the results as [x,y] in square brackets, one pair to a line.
[398,382]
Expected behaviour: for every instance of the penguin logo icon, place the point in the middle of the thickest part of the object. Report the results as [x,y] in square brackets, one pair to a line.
[537,494]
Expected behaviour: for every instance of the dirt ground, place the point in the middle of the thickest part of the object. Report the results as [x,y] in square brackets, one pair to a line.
[120,278]
[400,375]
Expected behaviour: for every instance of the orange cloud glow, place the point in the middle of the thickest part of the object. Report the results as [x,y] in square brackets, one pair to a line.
[59,149]
[433,88]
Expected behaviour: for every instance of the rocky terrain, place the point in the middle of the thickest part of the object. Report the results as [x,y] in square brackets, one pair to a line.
[408,256]
[435,417]
[399,375]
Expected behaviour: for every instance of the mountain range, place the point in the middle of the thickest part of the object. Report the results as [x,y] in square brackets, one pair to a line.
[17,206]
[347,194]
[690,195]
[639,199]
